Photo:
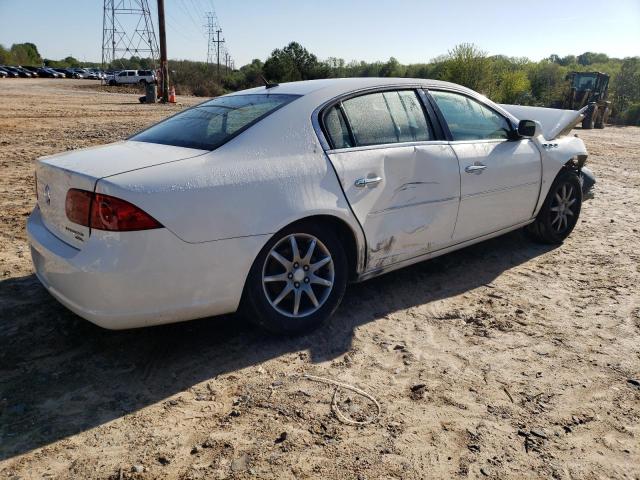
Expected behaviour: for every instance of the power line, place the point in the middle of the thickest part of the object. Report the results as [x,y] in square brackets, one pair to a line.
[191,17]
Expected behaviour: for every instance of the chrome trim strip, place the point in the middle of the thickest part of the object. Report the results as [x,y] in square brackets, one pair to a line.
[480,140]
[387,145]
[398,207]
[496,190]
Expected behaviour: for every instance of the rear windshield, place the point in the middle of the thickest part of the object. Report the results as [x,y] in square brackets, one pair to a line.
[210,124]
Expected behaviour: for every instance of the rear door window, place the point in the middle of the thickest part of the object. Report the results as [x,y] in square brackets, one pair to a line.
[337,129]
[210,124]
[387,117]
[408,116]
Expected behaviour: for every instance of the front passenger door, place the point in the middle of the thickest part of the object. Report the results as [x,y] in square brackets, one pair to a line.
[499,175]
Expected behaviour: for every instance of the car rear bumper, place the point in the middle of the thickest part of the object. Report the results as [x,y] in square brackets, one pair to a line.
[137,279]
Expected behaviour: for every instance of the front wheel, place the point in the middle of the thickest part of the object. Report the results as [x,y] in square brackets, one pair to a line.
[589,117]
[297,281]
[560,211]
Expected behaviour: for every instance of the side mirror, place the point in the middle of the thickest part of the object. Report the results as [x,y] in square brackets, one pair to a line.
[528,128]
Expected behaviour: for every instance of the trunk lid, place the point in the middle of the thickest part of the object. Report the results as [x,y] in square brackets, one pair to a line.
[81,169]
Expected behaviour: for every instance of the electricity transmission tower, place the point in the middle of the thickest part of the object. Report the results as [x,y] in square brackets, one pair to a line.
[210,28]
[127,30]
[215,47]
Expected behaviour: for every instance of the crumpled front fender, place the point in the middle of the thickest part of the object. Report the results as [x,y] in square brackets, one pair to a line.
[555,155]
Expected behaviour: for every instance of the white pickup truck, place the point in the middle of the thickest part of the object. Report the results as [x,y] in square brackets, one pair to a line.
[128,77]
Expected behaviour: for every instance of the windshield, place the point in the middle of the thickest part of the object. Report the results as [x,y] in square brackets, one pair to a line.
[584,81]
[209,125]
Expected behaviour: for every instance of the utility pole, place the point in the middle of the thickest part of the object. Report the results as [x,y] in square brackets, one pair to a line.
[218,41]
[164,66]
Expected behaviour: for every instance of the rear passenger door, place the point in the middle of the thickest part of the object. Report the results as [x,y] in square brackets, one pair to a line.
[402,182]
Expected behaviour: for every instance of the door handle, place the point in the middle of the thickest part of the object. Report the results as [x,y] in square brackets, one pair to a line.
[476,168]
[363,182]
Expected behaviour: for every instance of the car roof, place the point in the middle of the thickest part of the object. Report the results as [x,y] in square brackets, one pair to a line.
[332,87]
[320,92]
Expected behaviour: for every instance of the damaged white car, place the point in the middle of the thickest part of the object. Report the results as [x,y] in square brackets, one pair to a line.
[275,198]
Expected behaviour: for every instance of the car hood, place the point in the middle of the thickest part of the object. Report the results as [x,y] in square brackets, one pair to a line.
[112,159]
[555,122]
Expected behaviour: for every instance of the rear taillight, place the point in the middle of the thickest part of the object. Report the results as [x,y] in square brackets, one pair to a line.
[104,212]
[77,205]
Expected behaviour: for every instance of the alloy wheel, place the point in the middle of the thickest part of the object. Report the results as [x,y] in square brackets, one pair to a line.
[562,207]
[298,275]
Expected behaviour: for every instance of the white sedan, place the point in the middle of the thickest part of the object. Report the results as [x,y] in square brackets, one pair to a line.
[275,198]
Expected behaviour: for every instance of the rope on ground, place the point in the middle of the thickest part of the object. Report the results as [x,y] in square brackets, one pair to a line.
[334,401]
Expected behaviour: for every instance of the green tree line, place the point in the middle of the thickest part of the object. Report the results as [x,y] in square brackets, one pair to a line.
[501,78]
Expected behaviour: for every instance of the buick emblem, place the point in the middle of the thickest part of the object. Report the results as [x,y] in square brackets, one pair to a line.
[47,194]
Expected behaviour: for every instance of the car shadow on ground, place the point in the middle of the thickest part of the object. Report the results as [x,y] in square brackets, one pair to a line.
[61,375]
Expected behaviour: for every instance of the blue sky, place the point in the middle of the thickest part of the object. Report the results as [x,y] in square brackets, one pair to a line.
[410,30]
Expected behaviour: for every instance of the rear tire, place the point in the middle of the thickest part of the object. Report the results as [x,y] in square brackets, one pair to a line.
[289,292]
[560,210]
[112,83]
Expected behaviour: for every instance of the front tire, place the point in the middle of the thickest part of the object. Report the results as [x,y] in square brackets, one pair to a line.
[560,211]
[589,117]
[297,280]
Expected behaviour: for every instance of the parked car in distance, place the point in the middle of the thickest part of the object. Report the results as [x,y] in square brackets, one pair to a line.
[48,73]
[94,74]
[3,74]
[67,72]
[130,77]
[29,73]
[32,70]
[10,74]
[19,71]
[275,198]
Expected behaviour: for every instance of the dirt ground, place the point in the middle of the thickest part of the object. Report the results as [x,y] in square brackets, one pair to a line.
[504,360]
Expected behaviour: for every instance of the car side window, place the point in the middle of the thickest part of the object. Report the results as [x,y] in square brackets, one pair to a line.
[387,117]
[337,129]
[131,74]
[468,119]
[370,120]
[408,116]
